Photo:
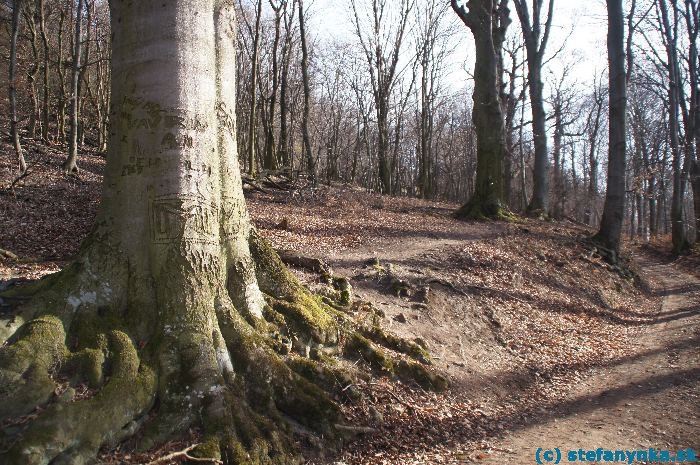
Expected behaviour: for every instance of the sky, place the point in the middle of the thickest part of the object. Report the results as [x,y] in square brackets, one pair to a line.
[579,25]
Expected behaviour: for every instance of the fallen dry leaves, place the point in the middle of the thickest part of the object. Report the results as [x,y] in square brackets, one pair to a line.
[545,305]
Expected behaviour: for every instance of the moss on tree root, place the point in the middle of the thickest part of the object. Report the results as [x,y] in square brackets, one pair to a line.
[478,209]
[252,388]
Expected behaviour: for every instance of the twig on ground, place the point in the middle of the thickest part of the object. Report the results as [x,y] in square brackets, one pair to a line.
[185,454]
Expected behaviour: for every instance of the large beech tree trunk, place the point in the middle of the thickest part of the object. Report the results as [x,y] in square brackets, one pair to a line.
[614,210]
[491,149]
[176,314]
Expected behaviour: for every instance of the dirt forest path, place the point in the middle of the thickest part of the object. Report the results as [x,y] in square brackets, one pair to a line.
[650,399]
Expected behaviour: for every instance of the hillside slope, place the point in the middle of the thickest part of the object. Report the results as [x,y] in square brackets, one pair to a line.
[520,316]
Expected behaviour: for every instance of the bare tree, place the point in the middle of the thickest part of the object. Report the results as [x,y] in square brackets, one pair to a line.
[270,161]
[381,44]
[535,44]
[670,33]
[431,51]
[481,17]
[14,124]
[310,161]
[614,209]
[252,122]
[594,122]
[691,14]
[71,164]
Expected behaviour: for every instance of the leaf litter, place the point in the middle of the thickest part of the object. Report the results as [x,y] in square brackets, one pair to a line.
[515,314]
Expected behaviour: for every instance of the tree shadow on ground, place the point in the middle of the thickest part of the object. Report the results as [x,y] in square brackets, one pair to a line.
[485,426]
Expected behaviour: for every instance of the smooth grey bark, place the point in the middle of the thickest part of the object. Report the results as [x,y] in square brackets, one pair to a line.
[14,120]
[71,163]
[535,45]
[169,255]
[614,209]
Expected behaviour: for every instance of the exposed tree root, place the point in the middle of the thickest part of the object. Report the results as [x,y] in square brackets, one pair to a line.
[479,209]
[260,391]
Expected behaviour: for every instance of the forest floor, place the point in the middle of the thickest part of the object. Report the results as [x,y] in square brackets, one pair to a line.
[544,344]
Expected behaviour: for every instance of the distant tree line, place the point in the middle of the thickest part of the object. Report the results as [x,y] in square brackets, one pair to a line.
[379,107]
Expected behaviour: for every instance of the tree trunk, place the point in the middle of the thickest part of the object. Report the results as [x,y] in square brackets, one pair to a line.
[311,163]
[61,112]
[540,194]
[71,163]
[14,124]
[283,148]
[270,159]
[46,103]
[556,211]
[487,199]
[35,117]
[252,123]
[678,234]
[535,45]
[614,209]
[176,312]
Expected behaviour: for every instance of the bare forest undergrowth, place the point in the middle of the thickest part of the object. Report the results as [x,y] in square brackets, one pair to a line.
[544,345]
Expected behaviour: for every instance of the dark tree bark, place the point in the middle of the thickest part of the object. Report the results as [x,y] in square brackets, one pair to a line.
[270,157]
[14,119]
[46,69]
[310,161]
[252,123]
[34,119]
[678,233]
[614,209]
[593,129]
[691,13]
[488,198]
[71,163]
[283,148]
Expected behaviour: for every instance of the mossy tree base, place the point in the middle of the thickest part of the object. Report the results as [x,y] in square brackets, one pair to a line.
[477,209]
[176,314]
[253,388]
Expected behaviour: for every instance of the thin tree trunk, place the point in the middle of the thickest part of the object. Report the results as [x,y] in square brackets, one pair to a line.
[311,164]
[678,234]
[46,100]
[71,163]
[61,113]
[14,123]
[35,117]
[252,123]
[535,45]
